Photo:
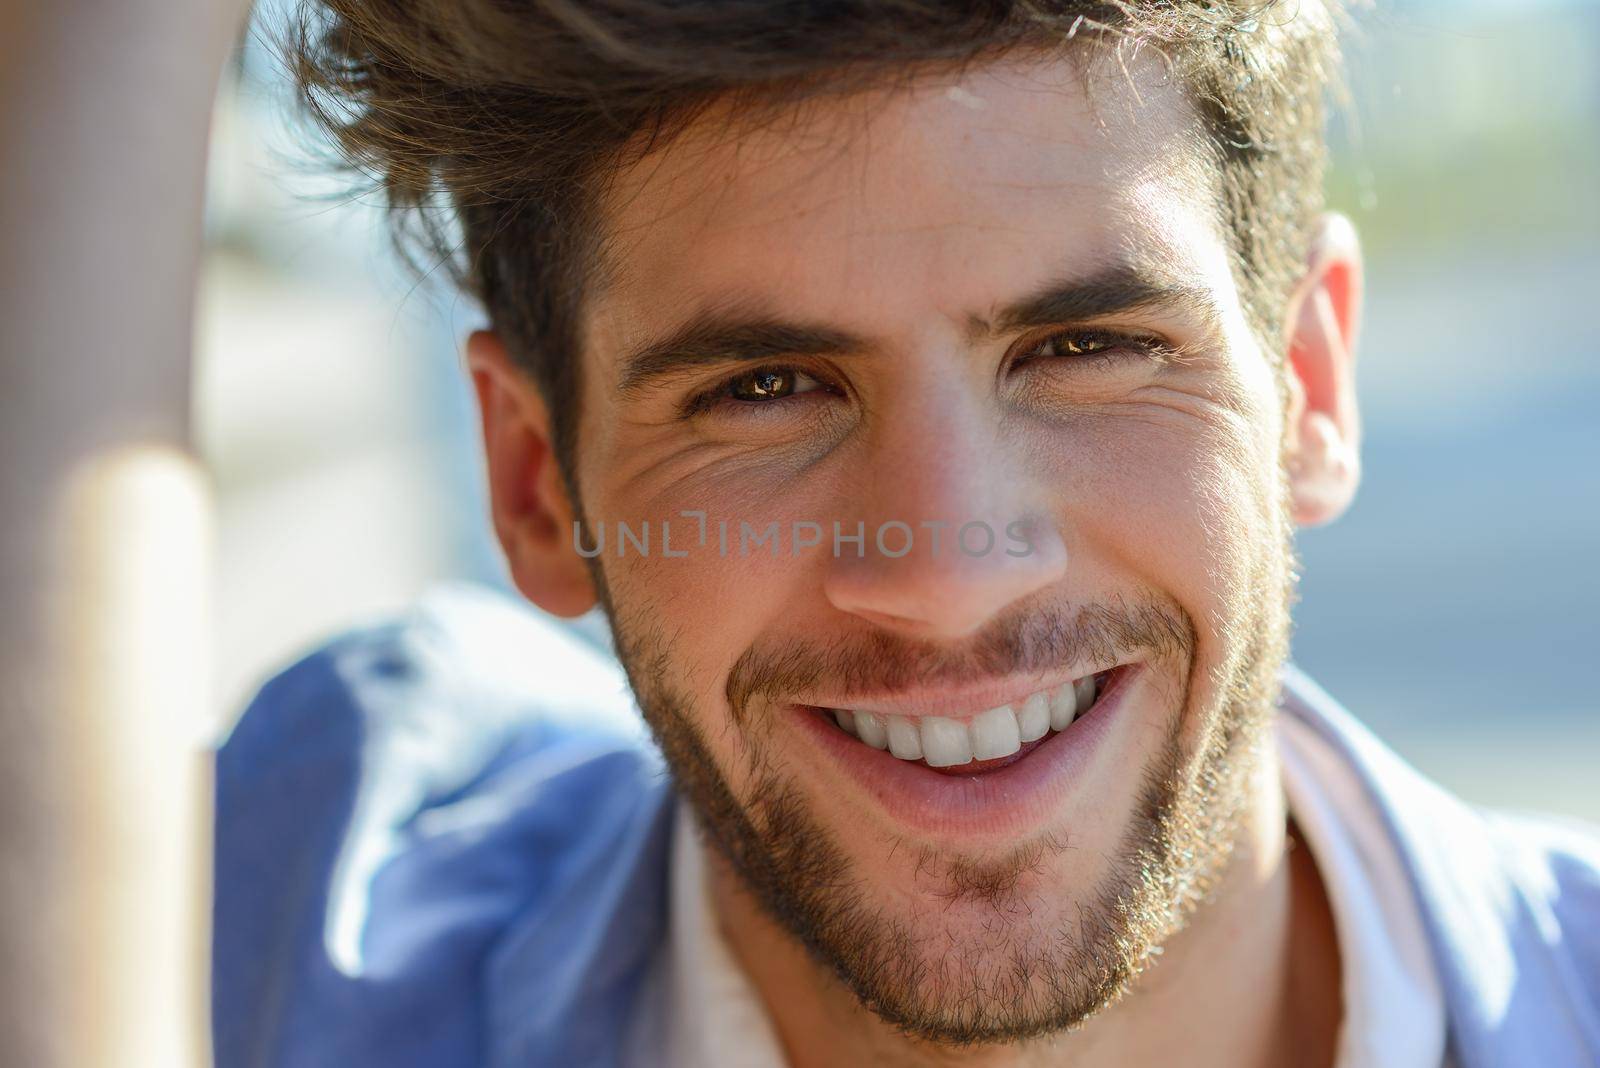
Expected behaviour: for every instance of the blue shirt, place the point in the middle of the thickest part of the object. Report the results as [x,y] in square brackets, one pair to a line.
[444,841]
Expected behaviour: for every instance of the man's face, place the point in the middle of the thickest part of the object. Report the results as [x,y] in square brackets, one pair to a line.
[986,301]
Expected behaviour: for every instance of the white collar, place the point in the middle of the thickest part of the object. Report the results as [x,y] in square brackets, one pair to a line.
[708,1012]
[1394,1014]
[713,1013]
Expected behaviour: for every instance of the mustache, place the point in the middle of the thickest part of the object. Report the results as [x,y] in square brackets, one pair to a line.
[1027,639]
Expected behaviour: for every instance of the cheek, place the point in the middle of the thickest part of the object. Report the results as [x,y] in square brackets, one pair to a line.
[690,617]
[1183,499]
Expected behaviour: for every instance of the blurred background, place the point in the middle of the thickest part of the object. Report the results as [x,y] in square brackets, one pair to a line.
[1454,609]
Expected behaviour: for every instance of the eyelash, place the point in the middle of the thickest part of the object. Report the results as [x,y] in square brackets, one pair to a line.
[1118,347]
[716,395]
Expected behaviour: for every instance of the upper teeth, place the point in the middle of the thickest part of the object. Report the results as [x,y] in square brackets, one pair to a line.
[999,732]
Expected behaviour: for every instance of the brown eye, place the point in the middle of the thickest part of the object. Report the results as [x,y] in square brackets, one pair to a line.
[1080,343]
[1095,349]
[770,384]
[762,385]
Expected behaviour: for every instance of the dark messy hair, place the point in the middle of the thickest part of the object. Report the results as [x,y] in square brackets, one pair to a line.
[492,125]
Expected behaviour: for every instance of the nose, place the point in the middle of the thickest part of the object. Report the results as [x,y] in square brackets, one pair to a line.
[954,528]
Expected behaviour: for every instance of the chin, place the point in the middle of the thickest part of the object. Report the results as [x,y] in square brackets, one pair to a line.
[1009,890]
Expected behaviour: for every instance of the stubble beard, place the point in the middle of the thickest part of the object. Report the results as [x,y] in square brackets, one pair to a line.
[1023,978]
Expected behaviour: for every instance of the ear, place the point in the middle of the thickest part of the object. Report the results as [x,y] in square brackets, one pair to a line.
[1323,428]
[527,497]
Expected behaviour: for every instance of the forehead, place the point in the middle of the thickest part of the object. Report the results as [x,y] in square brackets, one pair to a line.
[899,212]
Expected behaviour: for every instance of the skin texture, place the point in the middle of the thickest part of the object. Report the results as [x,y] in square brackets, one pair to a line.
[1159,486]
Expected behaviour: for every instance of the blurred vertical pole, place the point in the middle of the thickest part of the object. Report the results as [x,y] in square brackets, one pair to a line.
[104,115]
[132,633]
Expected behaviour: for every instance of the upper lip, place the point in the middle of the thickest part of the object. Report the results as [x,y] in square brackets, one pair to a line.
[954,701]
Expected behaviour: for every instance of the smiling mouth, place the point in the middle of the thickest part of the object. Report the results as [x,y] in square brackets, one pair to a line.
[987,741]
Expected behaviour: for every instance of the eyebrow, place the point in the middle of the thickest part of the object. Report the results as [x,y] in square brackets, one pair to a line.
[1123,288]
[731,335]
[741,331]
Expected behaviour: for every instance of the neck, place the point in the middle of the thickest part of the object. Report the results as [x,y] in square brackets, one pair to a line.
[1252,980]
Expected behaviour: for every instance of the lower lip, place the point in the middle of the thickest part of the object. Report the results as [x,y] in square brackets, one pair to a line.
[1007,800]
